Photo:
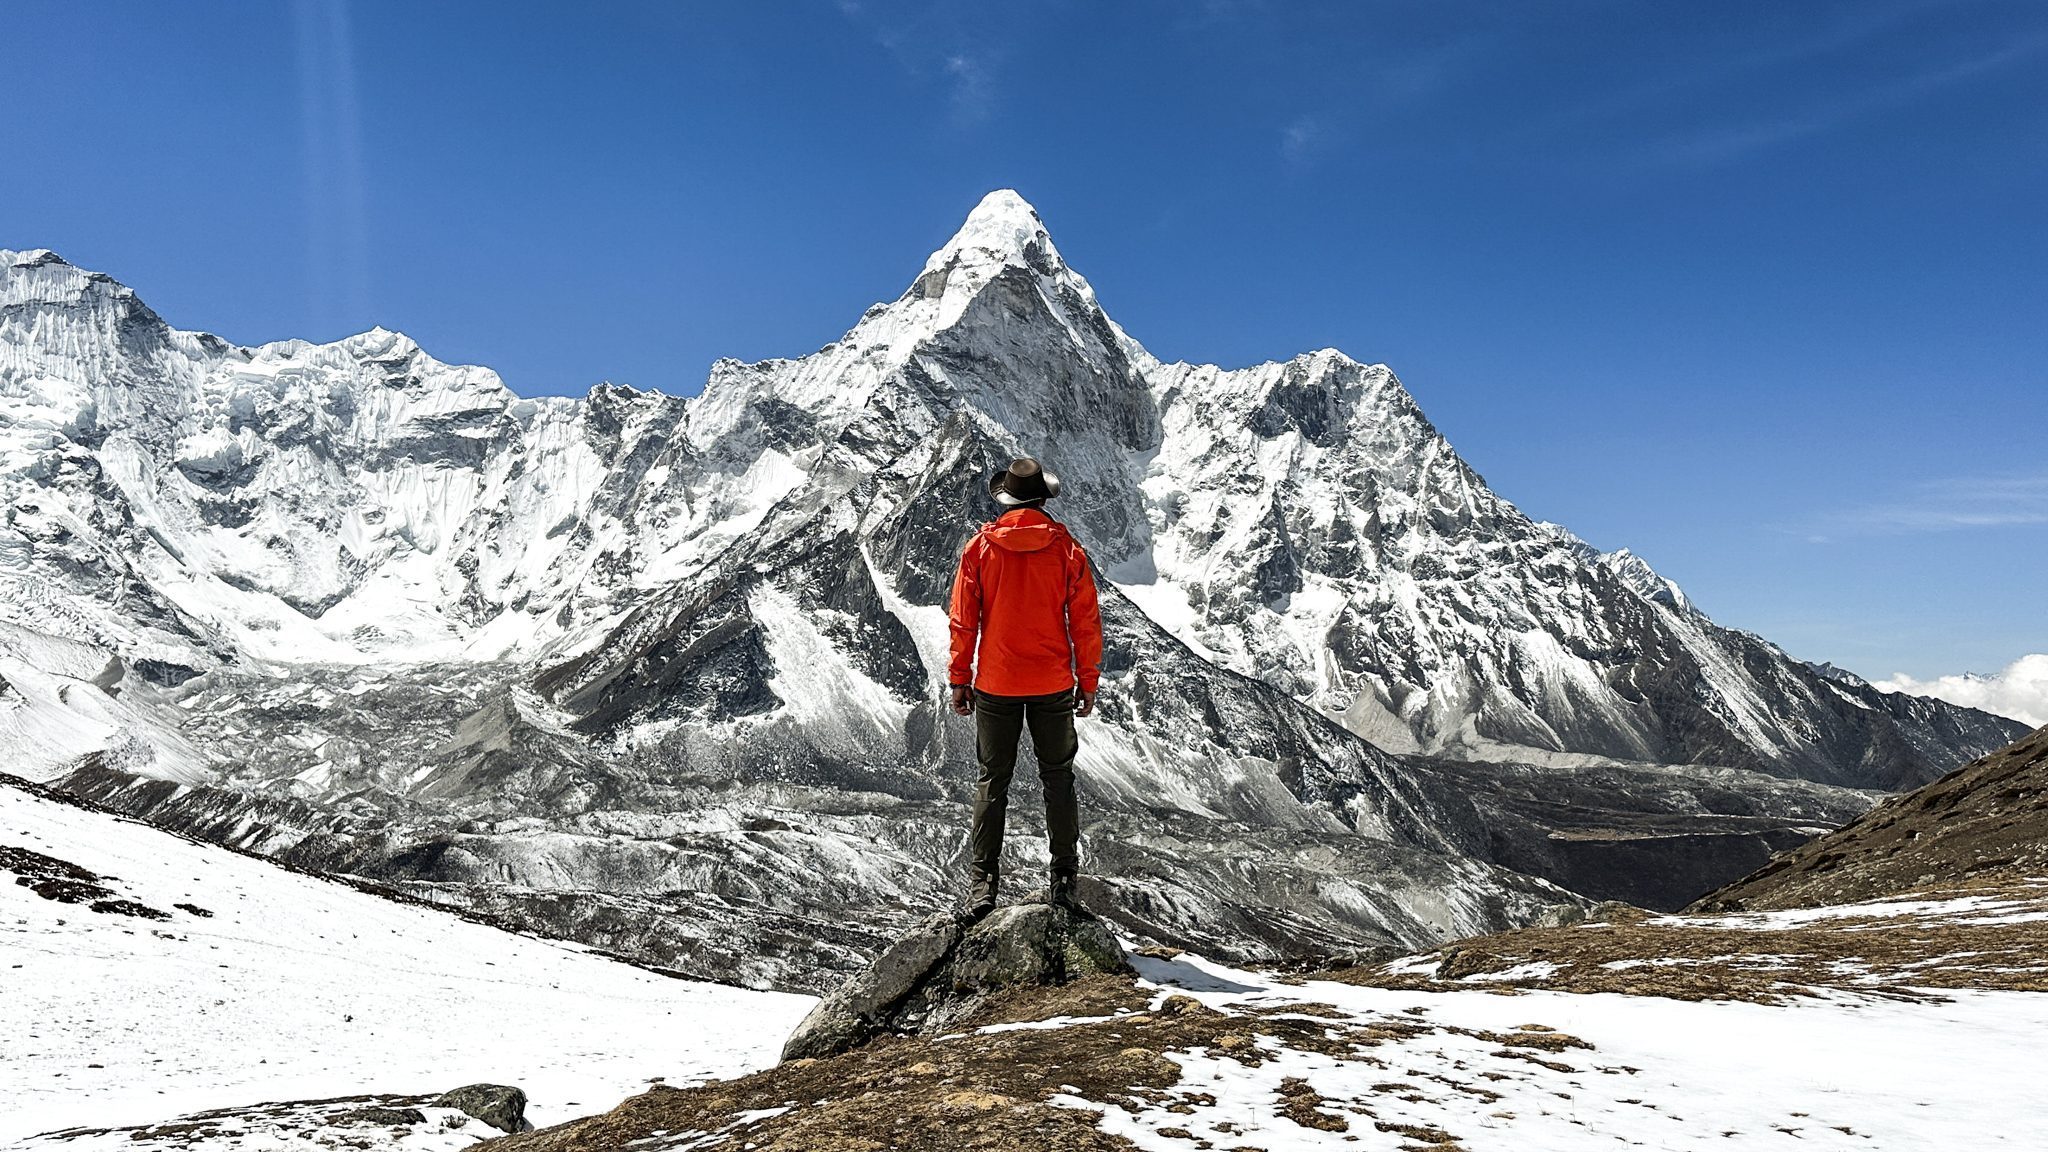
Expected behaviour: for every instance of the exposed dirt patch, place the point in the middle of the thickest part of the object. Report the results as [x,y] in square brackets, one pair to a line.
[67,883]
[1301,1103]
[133,908]
[51,878]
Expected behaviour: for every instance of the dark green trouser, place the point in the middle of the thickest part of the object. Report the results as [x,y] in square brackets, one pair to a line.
[998,721]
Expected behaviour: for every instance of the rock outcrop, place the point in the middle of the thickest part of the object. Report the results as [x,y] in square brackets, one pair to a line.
[940,972]
[373,1120]
[500,1105]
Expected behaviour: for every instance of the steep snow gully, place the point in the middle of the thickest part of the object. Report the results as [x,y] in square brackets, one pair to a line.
[661,674]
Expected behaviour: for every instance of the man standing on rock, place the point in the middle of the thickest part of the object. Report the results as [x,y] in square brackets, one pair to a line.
[1026,592]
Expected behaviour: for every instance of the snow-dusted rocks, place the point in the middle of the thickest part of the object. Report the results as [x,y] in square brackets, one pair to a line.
[500,1105]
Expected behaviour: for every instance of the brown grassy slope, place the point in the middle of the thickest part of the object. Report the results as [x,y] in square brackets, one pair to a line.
[993,1092]
[1983,826]
[1875,950]
[923,1095]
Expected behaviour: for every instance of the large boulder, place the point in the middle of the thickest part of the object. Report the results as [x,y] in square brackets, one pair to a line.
[937,974]
[500,1105]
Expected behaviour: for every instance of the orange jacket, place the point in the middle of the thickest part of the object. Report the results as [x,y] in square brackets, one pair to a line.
[1026,591]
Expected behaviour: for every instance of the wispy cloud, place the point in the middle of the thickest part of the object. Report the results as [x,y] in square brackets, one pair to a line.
[1344,109]
[2019,691]
[1426,71]
[1852,28]
[1298,139]
[1847,36]
[1944,506]
[972,88]
[930,42]
[1731,142]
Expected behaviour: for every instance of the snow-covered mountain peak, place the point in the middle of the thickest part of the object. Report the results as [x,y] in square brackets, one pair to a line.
[1003,227]
[374,591]
[999,269]
[1645,581]
[1299,522]
[38,276]
[29,257]
[1335,356]
[1003,232]
[380,343]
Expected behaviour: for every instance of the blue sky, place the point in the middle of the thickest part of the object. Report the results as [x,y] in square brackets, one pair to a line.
[1759,290]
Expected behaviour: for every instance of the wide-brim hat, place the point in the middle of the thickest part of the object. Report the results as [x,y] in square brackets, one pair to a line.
[1022,482]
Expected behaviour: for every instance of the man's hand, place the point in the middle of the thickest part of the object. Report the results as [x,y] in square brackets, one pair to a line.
[963,699]
[1085,703]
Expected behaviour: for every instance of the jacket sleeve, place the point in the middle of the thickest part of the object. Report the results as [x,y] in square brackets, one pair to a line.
[964,616]
[1084,620]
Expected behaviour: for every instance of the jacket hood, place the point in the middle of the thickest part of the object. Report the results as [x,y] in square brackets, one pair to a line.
[1024,530]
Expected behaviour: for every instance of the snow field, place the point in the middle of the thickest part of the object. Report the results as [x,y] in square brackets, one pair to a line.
[1843,1073]
[298,988]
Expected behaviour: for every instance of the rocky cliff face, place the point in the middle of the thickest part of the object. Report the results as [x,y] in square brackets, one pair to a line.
[603,661]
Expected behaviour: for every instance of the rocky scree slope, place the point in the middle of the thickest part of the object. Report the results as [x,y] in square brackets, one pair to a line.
[593,663]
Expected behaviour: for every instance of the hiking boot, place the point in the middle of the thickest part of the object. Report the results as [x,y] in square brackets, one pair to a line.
[980,901]
[1059,892]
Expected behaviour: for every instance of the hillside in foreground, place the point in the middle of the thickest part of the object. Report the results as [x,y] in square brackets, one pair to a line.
[1192,1055]
[148,976]
[1910,1020]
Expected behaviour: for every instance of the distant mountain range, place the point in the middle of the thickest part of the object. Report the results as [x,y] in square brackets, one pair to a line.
[662,674]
